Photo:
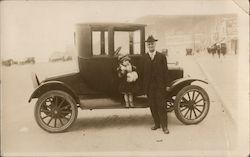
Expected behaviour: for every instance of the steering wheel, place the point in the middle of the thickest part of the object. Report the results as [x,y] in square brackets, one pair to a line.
[118,50]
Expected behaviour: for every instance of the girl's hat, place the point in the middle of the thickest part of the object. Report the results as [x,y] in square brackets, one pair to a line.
[122,57]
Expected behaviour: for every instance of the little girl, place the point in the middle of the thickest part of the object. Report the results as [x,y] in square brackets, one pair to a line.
[128,76]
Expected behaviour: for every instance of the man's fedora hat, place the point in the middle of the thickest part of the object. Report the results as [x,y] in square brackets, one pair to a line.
[151,39]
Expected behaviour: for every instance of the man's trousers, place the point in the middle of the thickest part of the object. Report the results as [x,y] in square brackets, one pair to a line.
[156,102]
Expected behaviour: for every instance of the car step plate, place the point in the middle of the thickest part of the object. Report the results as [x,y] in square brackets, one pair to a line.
[109,103]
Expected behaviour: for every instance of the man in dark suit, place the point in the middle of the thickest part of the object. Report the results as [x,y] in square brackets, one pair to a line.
[155,83]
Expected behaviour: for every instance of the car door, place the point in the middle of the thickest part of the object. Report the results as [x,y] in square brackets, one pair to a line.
[100,67]
[131,44]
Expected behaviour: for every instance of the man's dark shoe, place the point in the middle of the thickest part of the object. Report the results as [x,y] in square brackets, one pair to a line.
[165,130]
[155,127]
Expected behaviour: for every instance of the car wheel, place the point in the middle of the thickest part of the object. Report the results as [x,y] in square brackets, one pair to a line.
[55,111]
[191,105]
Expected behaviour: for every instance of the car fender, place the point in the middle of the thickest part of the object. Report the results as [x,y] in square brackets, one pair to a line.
[178,84]
[35,80]
[53,85]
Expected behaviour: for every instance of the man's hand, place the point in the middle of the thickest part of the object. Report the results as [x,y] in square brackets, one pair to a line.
[167,89]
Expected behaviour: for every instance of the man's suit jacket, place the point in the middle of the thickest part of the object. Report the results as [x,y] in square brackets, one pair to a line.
[162,78]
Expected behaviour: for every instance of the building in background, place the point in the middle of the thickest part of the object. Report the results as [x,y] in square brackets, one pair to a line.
[178,33]
[225,31]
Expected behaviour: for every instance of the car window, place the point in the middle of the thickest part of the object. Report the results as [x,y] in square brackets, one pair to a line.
[122,39]
[99,43]
[130,41]
[137,42]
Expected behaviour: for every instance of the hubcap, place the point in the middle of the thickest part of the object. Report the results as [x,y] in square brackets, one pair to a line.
[192,105]
[55,112]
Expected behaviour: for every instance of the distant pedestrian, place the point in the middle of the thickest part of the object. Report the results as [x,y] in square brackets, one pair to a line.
[218,50]
[223,49]
[214,49]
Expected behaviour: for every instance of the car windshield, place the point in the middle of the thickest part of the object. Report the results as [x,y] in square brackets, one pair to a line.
[130,41]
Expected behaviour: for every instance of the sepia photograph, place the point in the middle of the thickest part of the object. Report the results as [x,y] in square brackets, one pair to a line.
[125,78]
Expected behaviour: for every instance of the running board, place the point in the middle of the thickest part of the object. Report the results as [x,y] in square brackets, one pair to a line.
[109,103]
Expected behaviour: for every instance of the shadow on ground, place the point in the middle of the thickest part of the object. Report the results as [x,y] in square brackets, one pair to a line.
[119,121]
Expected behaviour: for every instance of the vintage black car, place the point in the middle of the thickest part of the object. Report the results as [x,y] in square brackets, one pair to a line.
[28,60]
[95,86]
[189,52]
[9,62]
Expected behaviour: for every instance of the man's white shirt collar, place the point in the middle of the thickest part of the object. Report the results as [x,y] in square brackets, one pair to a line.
[152,54]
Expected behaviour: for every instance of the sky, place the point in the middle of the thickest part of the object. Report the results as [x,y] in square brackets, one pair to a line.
[39,28]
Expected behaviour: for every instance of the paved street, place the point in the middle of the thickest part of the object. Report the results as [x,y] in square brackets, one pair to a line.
[118,131]
[229,77]
[224,75]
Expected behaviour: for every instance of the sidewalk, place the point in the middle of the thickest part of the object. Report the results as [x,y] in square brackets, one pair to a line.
[223,75]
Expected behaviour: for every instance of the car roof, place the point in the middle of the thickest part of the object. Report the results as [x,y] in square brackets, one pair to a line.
[116,25]
[111,24]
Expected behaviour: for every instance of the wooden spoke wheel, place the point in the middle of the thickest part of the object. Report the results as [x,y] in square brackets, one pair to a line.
[55,111]
[191,105]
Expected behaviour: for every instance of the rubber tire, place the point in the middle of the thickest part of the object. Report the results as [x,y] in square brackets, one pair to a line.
[68,98]
[179,96]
